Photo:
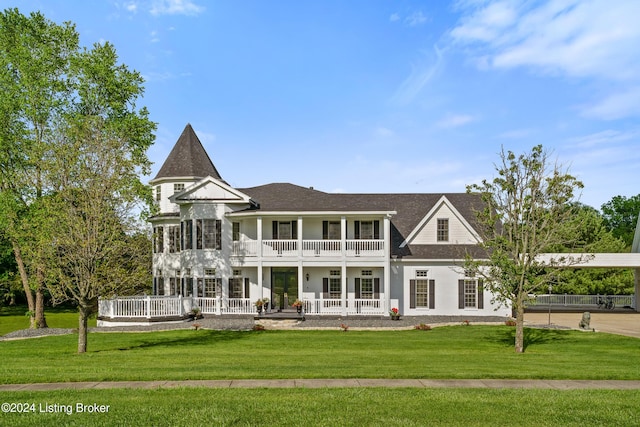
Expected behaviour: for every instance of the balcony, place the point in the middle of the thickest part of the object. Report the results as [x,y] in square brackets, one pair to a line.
[309,249]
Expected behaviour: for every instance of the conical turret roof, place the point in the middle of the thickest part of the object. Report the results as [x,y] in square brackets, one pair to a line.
[188,159]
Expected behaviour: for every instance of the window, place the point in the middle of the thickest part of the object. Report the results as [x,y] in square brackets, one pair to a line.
[209,271]
[443,230]
[210,287]
[177,188]
[158,246]
[367,230]
[188,234]
[285,230]
[422,289]
[366,288]
[158,193]
[236,231]
[331,230]
[470,293]
[172,286]
[335,288]
[235,287]
[159,286]
[174,238]
[208,234]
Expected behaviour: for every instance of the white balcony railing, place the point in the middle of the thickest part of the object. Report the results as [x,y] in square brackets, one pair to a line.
[310,248]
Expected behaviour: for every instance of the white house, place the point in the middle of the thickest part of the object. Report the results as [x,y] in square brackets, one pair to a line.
[341,254]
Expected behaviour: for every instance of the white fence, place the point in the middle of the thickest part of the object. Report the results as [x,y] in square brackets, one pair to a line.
[310,248]
[571,300]
[149,307]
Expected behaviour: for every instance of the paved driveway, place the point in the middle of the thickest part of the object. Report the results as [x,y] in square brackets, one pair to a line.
[615,323]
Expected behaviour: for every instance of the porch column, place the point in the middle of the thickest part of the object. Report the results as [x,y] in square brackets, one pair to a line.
[343,289]
[260,280]
[636,275]
[259,231]
[387,263]
[300,280]
[343,272]
[299,243]
[343,236]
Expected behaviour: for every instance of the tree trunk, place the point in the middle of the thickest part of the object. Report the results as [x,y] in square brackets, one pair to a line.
[41,322]
[519,344]
[25,283]
[83,316]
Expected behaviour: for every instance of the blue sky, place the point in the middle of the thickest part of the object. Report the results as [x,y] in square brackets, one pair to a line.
[382,96]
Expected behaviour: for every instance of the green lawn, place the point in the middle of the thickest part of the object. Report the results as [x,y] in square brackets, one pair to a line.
[14,318]
[444,352]
[331,407]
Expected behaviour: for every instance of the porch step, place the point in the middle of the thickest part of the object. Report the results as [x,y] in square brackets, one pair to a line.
[274,323]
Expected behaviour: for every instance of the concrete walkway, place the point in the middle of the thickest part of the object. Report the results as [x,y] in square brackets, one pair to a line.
[336,383]
[620,323]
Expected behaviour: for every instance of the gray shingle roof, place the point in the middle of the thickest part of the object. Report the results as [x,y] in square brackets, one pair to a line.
[410,207]
[188,158]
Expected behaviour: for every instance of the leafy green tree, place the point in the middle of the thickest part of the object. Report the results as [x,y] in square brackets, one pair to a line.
[34,78]
[621,217]
[73,148]
[527,210]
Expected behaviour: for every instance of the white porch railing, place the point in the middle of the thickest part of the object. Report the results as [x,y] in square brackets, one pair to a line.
[354,307]
[365,247]
[310,248]
[279,247]
[150,307]
[316,248]
[569,300]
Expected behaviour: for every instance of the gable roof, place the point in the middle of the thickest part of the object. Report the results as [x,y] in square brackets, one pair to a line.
[188,159]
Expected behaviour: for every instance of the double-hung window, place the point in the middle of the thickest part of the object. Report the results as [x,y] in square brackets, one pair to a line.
[442,233]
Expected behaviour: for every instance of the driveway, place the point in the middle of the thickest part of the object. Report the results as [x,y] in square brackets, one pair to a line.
[614,323]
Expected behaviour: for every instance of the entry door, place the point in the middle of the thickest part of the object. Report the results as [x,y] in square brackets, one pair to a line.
[284,287]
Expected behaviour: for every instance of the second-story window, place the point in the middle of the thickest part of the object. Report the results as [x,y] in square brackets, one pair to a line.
[331,230]
[158,193]
[285,230]
[208,234]
[367,230]
[443,230]
[174,238]
[177,188]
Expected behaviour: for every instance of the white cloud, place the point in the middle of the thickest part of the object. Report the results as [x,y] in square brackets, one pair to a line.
[415,19]
[154,37]
[175,7]
[605,137]
[421,74]
[455,120]
[615,106]
[578,38]
[131,7]
[394,17]
[383,132]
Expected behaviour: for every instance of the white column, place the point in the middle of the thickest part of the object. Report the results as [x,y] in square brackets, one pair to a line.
[343,272]
[636,275]
[387,263]
[299,237]
[343,236]
[259,228]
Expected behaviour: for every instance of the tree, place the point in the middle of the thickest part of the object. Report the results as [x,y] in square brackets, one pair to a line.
[527,210]
[99,154]
[34,68]
[72,146]
[621,217]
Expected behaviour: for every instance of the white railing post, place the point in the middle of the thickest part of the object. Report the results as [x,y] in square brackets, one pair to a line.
[148,307]
[218,306]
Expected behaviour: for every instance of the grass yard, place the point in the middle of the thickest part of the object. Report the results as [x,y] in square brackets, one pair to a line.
[331,407]
[444,352]
[14,318]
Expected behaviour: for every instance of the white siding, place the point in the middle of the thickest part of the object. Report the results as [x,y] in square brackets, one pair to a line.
[458,232]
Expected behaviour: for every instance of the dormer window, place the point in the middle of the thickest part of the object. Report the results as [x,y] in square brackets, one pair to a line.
[177,188]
